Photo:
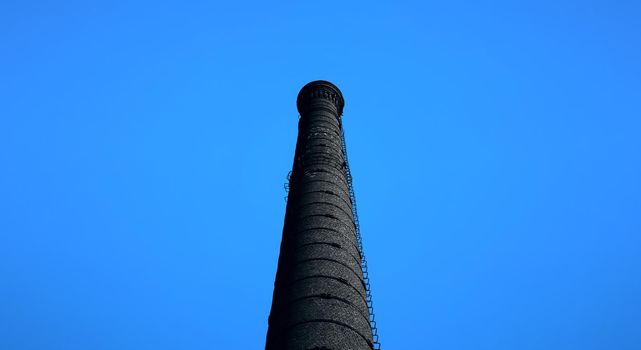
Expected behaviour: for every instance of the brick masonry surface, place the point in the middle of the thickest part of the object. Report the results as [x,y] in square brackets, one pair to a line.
[319,300]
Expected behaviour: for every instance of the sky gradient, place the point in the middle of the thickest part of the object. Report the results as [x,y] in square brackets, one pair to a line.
[495,148]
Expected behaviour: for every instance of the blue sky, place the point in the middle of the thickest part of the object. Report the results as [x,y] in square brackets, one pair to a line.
[495,147]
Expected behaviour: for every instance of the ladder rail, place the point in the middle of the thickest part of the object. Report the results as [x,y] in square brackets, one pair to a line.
[359,239]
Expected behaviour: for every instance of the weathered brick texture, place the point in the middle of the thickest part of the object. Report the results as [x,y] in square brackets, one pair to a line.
[319,297]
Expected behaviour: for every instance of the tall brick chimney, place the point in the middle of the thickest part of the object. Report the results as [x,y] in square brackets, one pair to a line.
[320,296]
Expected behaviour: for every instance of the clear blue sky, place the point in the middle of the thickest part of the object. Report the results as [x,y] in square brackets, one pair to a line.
[496,149]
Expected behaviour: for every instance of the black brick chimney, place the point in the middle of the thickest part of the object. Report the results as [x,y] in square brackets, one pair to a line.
[319,299]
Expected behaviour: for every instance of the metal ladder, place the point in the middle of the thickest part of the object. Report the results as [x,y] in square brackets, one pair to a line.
[368,289]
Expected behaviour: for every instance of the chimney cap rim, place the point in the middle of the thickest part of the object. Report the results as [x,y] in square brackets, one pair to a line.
[303,96]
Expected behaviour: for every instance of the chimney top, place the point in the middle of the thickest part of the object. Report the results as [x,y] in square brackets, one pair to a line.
[320,89]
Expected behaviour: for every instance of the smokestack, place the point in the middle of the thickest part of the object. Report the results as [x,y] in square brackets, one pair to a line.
[320,299]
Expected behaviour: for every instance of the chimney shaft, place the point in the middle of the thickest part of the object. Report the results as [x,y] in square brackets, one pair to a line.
[319,299]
